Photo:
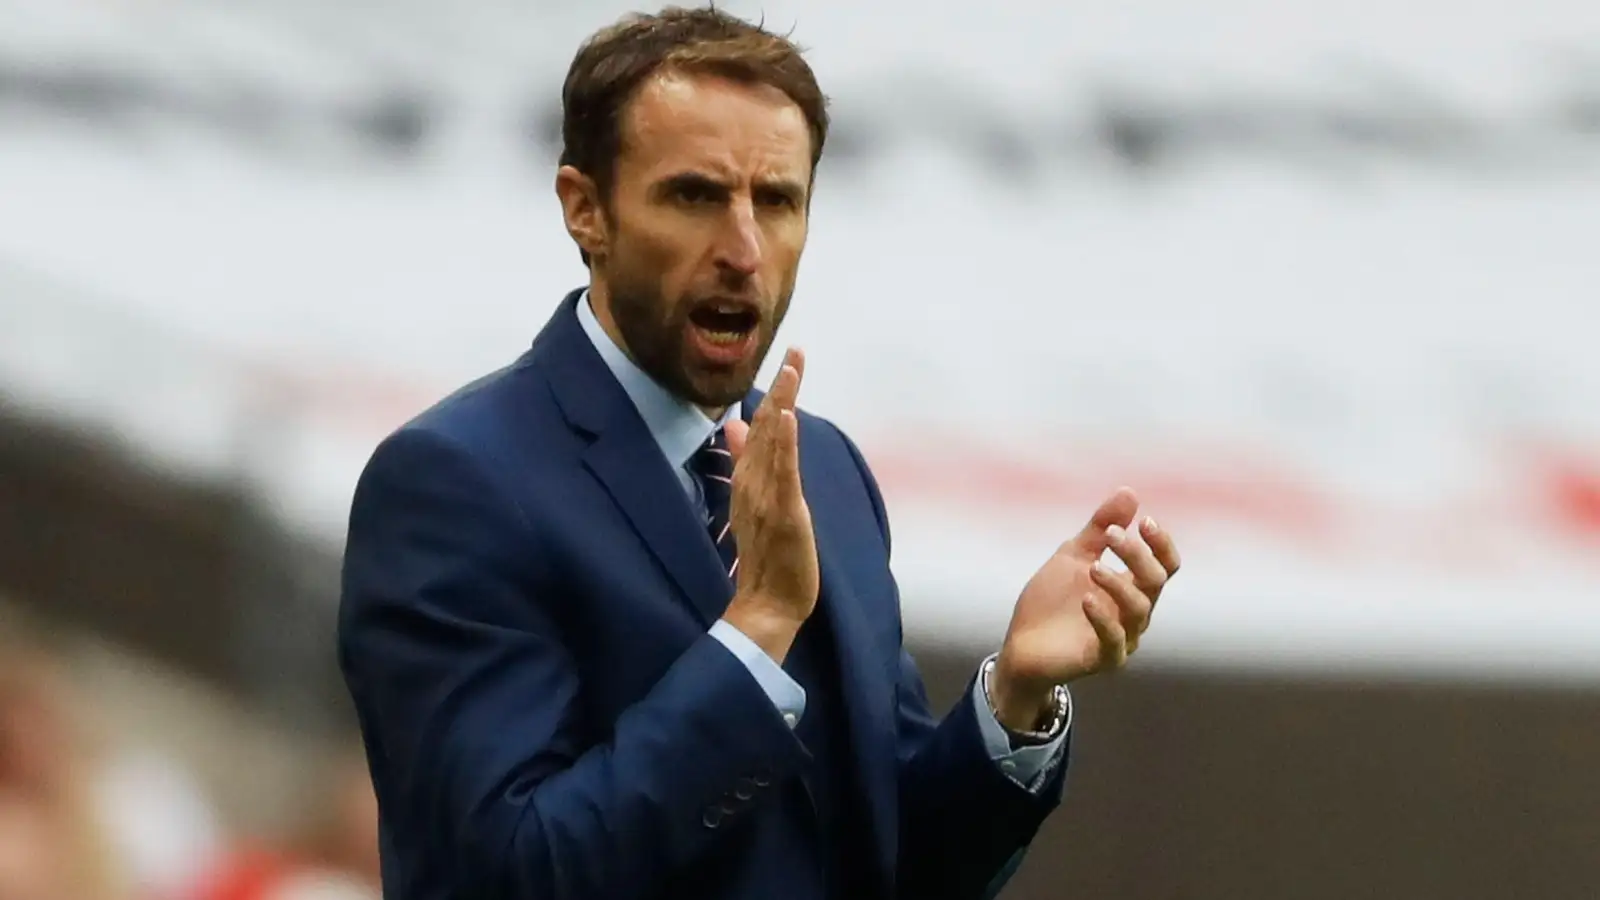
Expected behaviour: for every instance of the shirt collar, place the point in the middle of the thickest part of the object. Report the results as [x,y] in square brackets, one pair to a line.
[679,427]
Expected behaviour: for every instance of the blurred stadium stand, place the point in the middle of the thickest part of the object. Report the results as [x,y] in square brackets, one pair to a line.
[217,290]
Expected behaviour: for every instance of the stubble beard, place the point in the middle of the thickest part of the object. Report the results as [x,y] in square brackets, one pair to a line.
[656,337]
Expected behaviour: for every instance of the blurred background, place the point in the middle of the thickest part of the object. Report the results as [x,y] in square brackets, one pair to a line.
[1321,280]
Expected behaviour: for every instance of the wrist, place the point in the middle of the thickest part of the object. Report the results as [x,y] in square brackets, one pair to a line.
[1020,705]
[767,625]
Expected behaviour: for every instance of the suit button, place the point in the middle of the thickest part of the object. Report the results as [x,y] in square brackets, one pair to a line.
[743,792]
[791,720]
[712,818]
[761,779]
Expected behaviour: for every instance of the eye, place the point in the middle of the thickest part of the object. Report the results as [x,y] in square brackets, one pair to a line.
[775,199]
[695,191]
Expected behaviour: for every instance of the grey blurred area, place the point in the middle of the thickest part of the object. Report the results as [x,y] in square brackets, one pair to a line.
[1323,276]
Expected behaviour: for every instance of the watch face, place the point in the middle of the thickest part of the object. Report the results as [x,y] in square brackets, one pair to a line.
[1050,730]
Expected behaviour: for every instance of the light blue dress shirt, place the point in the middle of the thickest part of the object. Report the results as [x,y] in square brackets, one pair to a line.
[680,429]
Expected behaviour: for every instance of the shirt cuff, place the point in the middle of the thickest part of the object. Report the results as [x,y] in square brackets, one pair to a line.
[1030,766]
[786,693]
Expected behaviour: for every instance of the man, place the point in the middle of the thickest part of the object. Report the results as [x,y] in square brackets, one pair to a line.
[618,626]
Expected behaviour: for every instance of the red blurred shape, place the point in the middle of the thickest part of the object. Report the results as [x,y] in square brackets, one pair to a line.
[1575,487]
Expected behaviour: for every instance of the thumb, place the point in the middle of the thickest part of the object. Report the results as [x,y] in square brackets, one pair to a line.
[738,434]
[1117,509]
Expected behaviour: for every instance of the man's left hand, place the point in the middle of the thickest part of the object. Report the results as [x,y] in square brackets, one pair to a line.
[1077,616]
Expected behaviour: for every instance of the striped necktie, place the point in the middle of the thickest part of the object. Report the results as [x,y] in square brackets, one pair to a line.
[713,465]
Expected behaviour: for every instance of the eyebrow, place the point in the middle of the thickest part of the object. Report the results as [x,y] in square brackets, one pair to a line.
[683,180]
[788,187]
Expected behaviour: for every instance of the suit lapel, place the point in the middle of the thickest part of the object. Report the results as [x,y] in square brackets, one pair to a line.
[624,457]
[643,485]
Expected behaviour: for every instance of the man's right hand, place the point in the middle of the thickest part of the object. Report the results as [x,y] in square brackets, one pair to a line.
[777,578]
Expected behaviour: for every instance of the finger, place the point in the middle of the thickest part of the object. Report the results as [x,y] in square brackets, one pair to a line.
[786,386]
[788,449]
[1118,509]
[738,434]
[795,358]
[1161,544]
[1148,573]
[1133,604]
[785,391]
[785,383]
[1113,641]
[764,421]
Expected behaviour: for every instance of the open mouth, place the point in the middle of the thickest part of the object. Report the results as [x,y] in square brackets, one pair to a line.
[724,323]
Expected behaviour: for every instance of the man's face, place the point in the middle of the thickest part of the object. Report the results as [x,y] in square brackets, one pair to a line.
[706,224]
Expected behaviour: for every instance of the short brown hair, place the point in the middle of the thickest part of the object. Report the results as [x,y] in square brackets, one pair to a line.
[611,65]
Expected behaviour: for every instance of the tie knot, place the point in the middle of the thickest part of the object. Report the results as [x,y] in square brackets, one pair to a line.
[713,460]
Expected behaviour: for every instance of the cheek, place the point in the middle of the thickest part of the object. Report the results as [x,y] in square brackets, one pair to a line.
[784,249]
[660,258]
[680,276]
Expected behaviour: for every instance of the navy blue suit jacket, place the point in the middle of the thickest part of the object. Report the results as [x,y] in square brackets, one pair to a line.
[523,629]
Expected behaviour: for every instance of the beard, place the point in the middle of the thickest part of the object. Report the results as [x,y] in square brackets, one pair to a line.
[656,333]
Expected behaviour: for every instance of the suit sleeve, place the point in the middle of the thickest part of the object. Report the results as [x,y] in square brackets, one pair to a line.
[965,824]
[452,646]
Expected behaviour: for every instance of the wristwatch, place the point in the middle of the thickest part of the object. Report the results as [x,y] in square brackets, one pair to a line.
[1061,704]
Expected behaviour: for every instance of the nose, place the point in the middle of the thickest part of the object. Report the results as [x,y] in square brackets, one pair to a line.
[740,249]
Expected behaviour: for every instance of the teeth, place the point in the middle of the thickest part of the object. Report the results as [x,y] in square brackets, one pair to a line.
[724,337]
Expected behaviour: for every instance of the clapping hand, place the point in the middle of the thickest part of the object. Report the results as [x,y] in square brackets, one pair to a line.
[777,579]
[1077,616]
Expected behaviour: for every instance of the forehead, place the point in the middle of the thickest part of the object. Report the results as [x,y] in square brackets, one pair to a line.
[678,121]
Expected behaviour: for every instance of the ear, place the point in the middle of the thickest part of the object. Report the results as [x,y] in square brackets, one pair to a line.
[583,210]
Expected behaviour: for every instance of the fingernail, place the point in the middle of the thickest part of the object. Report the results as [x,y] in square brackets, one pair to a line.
[1149,525]
[1115,534]
[1097,567]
